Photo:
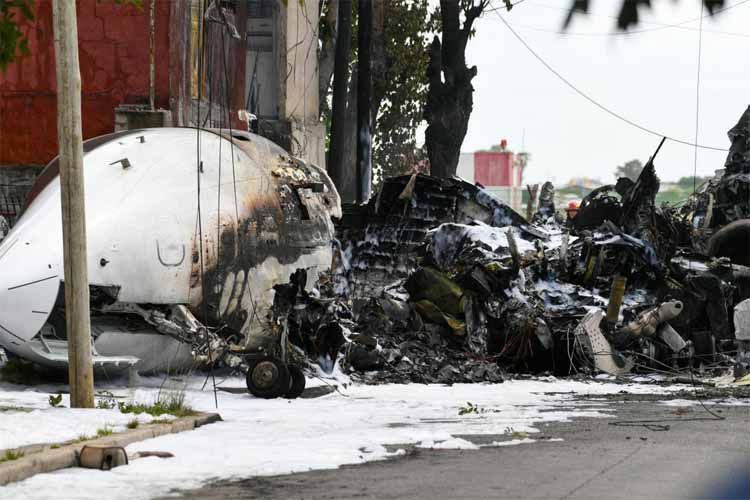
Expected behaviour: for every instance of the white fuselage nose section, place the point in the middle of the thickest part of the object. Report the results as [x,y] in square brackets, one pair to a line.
[31,270]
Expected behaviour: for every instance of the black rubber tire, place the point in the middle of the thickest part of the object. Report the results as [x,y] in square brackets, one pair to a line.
[267,378]
[296,384]
[733,241]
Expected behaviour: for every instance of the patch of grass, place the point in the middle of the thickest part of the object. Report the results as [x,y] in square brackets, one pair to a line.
[510,431]
[54,446]
[18,371]
[171,403]
[133,424]
[10,455]
[160,421]
[104,431]
[105,404]
[15,408]
[83,437]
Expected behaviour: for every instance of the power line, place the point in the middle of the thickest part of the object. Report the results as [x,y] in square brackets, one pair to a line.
[698,96]
[594,101]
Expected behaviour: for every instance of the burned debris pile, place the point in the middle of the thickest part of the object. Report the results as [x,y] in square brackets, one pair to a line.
[435,280]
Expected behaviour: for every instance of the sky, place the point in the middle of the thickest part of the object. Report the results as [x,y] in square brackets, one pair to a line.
[648,77]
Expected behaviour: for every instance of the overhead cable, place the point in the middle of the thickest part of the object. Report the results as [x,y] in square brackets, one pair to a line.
[594,101]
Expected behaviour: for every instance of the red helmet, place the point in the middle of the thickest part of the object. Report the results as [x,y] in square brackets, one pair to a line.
[573,205]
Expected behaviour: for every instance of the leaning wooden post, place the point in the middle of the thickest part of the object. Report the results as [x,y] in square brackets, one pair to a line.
[77,319]
[533,190]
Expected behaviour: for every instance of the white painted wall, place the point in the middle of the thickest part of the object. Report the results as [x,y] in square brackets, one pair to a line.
[465,168]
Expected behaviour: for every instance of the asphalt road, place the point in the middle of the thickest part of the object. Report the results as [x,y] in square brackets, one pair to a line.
[695,458]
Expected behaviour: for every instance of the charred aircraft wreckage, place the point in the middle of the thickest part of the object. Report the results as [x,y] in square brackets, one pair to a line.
[178,276]
[436,281]
[432,280]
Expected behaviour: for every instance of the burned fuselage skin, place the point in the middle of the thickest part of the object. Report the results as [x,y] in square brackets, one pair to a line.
[204,219]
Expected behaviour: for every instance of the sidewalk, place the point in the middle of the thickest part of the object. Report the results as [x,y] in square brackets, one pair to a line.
[26,461]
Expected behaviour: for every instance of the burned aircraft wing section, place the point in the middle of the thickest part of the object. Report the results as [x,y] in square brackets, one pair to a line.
[188,231]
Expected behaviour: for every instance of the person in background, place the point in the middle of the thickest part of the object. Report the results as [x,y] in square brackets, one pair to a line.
[572,210]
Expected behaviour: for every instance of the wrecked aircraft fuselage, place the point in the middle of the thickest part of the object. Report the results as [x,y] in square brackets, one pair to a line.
[188,231]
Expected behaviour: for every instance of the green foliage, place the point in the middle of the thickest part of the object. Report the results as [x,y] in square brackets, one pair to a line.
[631,170]
[18,371]
[54,401]
[10,455]
[54,446]
[404,88]
[687,182]
[471,408]
[12,39]
[677,193]
[107,401]
[133,424]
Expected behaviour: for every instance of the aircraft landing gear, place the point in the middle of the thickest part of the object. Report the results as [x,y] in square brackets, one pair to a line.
[270,377]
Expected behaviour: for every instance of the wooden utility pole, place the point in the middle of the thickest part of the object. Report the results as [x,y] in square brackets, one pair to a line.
[70,137]
[364,101]
[336,165]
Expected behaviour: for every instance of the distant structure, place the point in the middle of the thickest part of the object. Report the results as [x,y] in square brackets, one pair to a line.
[253,57]
[499,170]
[584,182]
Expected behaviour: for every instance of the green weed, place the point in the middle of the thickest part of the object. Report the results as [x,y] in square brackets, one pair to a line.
[171,403]
[104,431]
[10,455]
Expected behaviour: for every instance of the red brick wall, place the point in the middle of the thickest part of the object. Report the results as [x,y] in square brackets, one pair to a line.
[114,59]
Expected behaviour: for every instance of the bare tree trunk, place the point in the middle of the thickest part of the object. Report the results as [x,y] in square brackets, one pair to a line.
[450,93]
[364,102]
[336,167]
[348,189]
[326,58]
[379,64]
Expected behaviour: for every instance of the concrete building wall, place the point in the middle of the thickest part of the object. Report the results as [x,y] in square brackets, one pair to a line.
[465,168]
[299,80]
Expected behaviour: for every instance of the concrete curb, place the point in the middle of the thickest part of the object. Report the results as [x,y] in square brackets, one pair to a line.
[44,458]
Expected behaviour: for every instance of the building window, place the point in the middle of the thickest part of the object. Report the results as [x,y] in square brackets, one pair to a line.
[257,9]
